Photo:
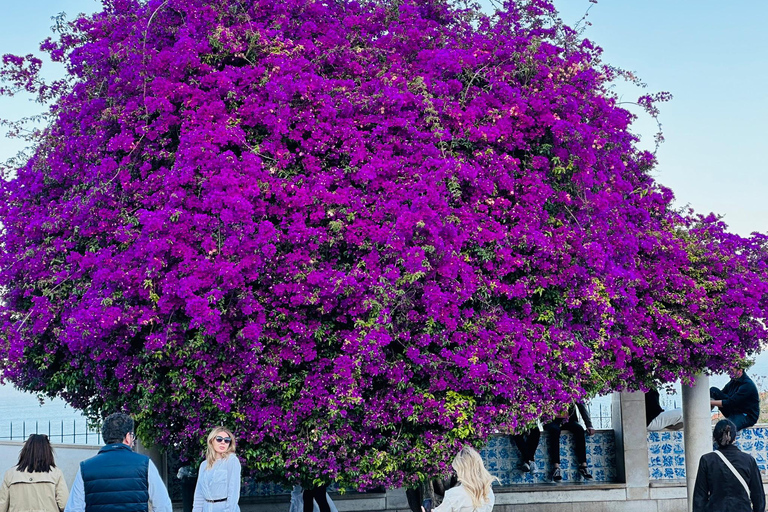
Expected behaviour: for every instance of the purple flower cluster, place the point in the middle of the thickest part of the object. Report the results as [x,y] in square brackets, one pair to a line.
[359,233]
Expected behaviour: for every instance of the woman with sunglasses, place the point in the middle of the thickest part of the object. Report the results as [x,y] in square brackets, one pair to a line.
[218,481]
[35,483]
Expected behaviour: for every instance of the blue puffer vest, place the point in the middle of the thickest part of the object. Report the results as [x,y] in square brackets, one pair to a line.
[116,480]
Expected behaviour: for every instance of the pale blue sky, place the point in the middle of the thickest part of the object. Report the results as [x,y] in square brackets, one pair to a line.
[710,55]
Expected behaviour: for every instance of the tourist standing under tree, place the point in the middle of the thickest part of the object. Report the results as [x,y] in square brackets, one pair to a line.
[218,481]
[728,479]
[117,478]
[474,493]
[35,484]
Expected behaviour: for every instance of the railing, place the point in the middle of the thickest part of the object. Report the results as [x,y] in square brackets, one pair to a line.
[600,409]
[57,431]
[600,415]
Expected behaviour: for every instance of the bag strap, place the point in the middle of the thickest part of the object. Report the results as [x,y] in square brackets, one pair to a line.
[736,473]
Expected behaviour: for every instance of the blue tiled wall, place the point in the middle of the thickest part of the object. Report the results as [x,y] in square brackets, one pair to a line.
[666,452]
[502,459]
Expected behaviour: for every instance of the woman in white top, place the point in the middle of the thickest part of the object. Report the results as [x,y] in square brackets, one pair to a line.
[218,481]
[474,493]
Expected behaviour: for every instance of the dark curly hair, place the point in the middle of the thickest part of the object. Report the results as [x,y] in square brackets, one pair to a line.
[115,427]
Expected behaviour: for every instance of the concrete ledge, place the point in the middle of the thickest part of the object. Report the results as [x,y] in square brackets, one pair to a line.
[344,502]
[54,445]
[677,482]
[559,493]
[553,486]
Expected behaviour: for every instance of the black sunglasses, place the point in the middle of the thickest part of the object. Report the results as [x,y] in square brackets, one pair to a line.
[226,440]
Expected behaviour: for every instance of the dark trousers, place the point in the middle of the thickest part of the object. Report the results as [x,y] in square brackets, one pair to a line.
[187,493]
[414,497]
[553,428]
[527,442]
[317,494]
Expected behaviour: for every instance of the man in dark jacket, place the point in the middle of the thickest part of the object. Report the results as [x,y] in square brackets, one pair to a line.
[117,478]
[739,400]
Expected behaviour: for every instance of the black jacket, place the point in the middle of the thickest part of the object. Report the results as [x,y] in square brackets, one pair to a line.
[742,398]
[718,490]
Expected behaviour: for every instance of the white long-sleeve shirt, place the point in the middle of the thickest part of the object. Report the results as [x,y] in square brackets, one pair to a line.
[458,500]
[219,482]
[158,494]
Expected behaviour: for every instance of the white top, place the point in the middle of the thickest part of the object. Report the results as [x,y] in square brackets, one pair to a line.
[158,494]
[458,500]
[219,482]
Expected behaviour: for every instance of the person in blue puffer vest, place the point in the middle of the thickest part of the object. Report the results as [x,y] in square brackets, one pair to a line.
[117,479]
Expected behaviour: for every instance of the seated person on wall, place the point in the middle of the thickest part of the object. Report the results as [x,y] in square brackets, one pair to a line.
[656,418]
[739,400]
[570,422]
[527,442]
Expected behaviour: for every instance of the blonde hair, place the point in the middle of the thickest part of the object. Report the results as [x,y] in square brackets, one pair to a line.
[210,453]
[472,475]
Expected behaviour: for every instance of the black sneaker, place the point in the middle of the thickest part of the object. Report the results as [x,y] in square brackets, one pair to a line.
[557,476]
[584,472]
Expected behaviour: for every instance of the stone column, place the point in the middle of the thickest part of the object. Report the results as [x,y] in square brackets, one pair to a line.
[697,430]
[157,457]
[628,417]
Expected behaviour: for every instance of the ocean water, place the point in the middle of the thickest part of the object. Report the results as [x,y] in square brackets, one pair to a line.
[23,413]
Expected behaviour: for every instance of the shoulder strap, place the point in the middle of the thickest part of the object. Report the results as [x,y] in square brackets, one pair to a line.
[736,473]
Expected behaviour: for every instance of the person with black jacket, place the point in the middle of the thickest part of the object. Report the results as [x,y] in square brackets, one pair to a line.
[739,400]
[570,422]
[735,486]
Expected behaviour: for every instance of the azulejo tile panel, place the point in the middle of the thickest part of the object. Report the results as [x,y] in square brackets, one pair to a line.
[666,451]
[502,459]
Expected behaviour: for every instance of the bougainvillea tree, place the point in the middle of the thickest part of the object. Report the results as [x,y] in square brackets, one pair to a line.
[360,233]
